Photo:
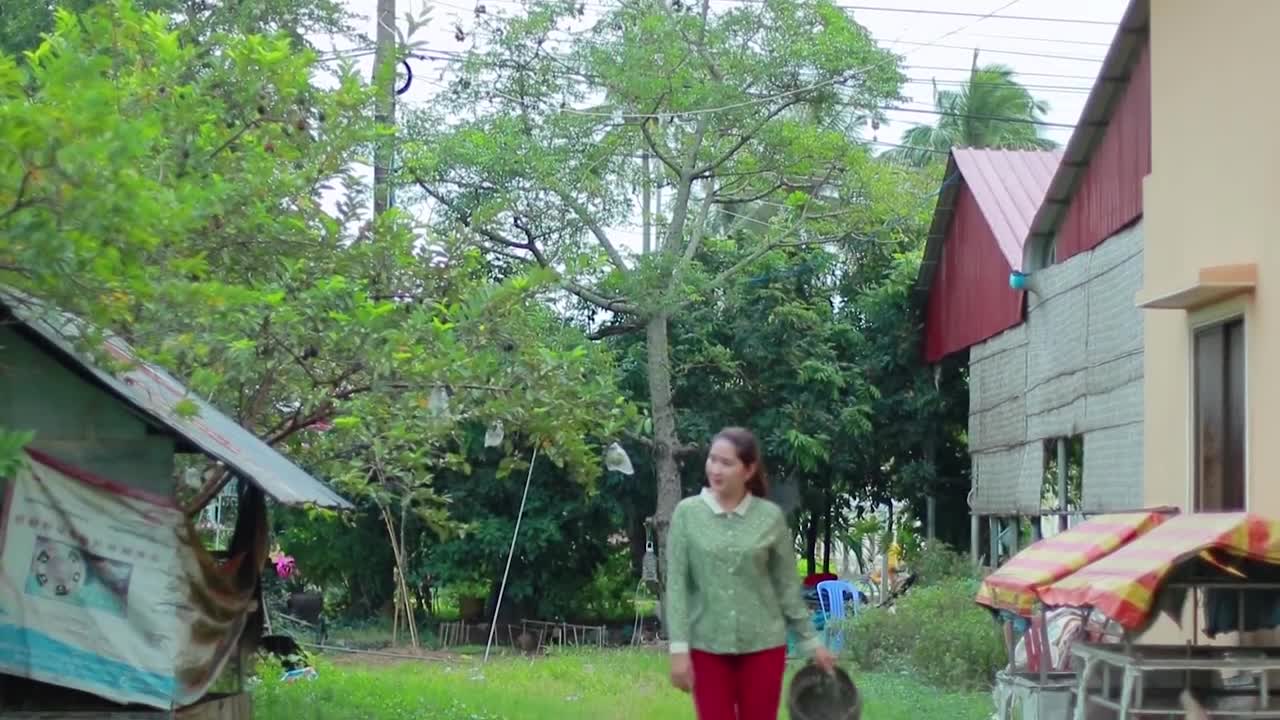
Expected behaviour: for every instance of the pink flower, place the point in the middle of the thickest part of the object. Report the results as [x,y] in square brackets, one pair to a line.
[285,566]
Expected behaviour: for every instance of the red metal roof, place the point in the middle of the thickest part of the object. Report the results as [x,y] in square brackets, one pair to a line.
[983,213]
[1008,186]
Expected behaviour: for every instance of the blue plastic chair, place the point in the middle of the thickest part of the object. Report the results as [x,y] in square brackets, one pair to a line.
[831,600]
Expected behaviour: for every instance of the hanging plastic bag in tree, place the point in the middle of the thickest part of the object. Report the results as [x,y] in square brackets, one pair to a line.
[649,565]
[493,436]
[616,459]
[439,401]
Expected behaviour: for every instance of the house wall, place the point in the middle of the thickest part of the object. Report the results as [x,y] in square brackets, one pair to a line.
[1211,200]
[1074,367]
[77,422]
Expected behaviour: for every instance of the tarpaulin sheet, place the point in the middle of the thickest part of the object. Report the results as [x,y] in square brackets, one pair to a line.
[102,590]
[1123,585]
[1013,587]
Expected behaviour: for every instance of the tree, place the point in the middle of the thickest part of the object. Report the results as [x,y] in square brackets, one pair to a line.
[172,193]
[28,22]
[992,110]
[536,146]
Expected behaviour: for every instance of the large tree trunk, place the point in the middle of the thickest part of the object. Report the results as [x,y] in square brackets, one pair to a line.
[665,435]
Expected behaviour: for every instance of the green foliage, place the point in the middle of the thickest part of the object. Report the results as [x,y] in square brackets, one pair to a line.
[563,542]
[992,110]
[170,187]
[26,23]
[936,633]
[537,145]
[138,163]
[937,563]
[11,444]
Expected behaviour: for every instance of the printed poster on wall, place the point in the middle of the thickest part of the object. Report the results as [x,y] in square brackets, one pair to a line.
[95,590]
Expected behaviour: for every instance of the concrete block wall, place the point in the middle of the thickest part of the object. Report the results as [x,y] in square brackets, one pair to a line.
[1073,367]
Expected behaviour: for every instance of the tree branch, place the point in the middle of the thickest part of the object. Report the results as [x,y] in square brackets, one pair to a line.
[652,142]
[747,199]
[20,199]
[691,249]
[584,215]
[749,136]
[465,217]
[683,449]
[615,330]
[619,305]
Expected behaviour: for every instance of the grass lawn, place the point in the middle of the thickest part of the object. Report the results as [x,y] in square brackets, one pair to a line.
[610,685]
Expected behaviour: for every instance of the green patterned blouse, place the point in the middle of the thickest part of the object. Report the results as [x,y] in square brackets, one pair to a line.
[732,586]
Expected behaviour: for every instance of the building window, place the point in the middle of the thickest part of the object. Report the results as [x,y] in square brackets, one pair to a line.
[1219,378]
[1052,502]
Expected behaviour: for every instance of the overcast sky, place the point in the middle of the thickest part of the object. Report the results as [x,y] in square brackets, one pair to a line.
[1057,60]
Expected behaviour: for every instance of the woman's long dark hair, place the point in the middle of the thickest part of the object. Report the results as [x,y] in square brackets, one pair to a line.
[748,449]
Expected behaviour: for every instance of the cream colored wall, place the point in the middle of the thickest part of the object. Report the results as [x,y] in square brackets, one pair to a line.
[1213,198]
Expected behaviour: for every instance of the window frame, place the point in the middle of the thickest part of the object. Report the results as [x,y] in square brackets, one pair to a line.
[1197,321]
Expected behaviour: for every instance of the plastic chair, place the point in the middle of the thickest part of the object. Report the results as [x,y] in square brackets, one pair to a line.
[831,600]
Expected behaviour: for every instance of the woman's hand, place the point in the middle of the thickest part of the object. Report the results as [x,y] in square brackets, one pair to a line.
[682,671]
[823,658]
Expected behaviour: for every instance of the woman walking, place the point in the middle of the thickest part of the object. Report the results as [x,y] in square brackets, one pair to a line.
[732,589]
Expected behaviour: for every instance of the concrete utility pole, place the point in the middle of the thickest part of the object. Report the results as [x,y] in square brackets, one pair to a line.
[384,79]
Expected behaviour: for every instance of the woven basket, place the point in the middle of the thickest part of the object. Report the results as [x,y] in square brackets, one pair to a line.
[815,695]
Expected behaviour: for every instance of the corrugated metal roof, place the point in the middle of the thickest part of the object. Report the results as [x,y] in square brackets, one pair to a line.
[1128,47]
[989,196]
[156,394]
[1009,186]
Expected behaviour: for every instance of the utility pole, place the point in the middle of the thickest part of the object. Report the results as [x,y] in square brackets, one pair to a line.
[384,79]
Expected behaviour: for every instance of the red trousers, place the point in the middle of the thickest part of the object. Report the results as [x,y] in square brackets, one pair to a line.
[738,687]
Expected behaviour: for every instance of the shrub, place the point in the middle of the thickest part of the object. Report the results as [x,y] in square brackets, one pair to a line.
[938,563]
[936,633]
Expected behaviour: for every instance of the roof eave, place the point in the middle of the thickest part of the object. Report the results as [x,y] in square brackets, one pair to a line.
[285,492]
[1117,69]
[942,211]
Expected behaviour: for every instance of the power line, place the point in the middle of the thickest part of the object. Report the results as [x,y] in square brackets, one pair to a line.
[1026,53]
[1028,86]
[914,148]
[956,13]
[992,118]
[1024,38]
[969,70]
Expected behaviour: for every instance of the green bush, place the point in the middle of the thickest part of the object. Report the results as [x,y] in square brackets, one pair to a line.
[935,633]
[938,563]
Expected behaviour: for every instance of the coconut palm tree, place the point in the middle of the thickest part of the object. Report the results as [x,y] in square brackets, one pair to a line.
[992,110]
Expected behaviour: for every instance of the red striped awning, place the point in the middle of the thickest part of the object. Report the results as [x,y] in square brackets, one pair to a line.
[1014,586]
[1123,585]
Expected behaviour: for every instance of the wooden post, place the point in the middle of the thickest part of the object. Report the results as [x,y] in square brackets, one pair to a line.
[931,509]
[993,523]
[1063,484]
[975,535]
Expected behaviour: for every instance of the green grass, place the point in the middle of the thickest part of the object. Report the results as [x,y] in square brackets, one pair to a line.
[613,685]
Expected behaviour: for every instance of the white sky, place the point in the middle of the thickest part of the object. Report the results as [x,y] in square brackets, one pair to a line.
[1056,60]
